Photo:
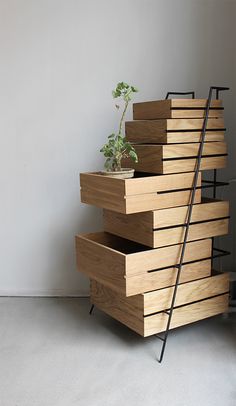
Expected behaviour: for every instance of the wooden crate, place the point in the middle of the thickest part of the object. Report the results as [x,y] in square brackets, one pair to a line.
[139,194]
[176,108]
[143,313]
[129,267]
[163,227]
[176,158]
[173,131]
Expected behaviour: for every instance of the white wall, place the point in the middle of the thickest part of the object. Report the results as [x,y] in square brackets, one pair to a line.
[60,60]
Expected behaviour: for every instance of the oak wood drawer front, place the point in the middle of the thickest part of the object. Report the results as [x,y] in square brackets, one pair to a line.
[187,293]
[153,228]
[143,313]
[156,132]
[176,108]
[175,235]
[164,159]
[113,261]
[163,278]
[186,314]
[138,194]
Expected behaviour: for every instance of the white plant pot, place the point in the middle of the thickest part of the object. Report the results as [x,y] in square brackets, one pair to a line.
[125,173]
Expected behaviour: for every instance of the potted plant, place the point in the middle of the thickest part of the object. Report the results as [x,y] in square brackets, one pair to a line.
[117,147]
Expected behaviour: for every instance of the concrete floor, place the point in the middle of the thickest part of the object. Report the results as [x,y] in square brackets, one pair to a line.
[52,353]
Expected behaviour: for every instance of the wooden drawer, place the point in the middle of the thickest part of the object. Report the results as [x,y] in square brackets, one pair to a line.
[173,131]
[144,314]
[162,278]
[176,158]
[113,261]
[163,227]
[141,193]
[176,108]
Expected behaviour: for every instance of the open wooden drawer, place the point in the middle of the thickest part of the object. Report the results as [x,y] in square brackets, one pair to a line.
[173,131]
[159,228]
[176,108]
[144,314]
[142,193]
[131,268]
[177,158]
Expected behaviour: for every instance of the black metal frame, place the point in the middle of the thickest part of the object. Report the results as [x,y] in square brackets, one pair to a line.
[169,312]
[91,309]
[209,184]
[180,93]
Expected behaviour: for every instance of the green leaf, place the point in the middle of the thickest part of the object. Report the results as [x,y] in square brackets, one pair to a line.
[120,137]
[111,143]
[108,154]
[108,164]
[133,156]
[127,146]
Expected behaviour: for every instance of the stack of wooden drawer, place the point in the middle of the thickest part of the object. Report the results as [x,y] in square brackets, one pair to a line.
[131,264]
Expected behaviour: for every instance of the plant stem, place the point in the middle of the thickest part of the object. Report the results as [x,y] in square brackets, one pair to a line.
[123,116]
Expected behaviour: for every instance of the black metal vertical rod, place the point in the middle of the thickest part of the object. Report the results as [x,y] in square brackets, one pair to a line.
[91,309]
[215,172]
[190,208]
[215,180]
[214,196]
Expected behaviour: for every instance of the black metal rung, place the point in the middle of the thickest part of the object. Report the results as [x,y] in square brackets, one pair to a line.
[220,88]
[211,184]
[214,185]
[180,94]
[222,253]
[220,250]
[180,158]
[218,183]
[219,255]
[192,223]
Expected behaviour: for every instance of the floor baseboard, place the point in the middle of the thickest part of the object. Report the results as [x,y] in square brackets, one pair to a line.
[44,293]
